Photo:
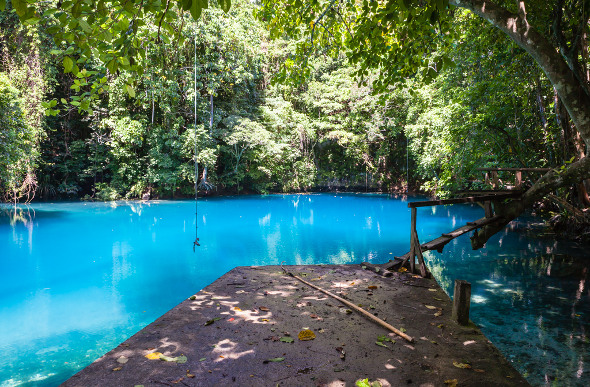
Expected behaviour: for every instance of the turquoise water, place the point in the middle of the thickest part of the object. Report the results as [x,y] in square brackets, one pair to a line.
[76,279]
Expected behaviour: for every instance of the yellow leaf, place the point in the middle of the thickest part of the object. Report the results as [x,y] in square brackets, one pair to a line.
[238,309]
[305,335]
[153,355]
[432,290]
[430,306]
[461,365]
[451,382]
[402,270]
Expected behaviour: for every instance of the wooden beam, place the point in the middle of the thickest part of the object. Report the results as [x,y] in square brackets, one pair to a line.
[513,169]
[440,242]
[489,192]
[471,199]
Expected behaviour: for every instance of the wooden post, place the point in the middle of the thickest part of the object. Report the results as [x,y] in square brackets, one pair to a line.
[486,178]
[487,206]
[495,181]
[413,241]
[518,179]
[461,302]
[415,248]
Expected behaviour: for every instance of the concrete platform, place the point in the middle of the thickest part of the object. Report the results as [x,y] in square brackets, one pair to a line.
[242,330]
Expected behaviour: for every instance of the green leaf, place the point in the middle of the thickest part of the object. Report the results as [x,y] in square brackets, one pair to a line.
[212,321]
[68,64]
[225,5]
[274,360]
[2,5]
[196,9]
[85,26]
[362,383]
[113,65]
[287,339]
[130,91]
[186,4]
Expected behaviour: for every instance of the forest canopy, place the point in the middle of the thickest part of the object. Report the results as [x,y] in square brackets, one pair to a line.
[113,99]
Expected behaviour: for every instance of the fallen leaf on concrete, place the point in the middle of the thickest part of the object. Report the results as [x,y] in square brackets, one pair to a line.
[287,339]
[479,370]
[189,375]
[314,316]
[265,320]
[461,365]
[342,352]
[122,360]
[153,355]
[430,306]
[379,343]
[345,311]
[237,309]
[117,369]
[451,382]
[203,359]
[402,270]
[438,314]
[274,360]
[305,335]
[372,287]
[264,309]
[212,321]
[432,290]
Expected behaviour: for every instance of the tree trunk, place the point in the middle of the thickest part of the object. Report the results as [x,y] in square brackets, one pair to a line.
[572,93]
[552,180]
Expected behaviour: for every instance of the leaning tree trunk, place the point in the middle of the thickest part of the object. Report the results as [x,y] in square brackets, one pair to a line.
[572,93]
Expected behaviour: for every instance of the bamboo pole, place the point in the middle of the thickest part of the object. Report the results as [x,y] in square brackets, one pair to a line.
[353,306]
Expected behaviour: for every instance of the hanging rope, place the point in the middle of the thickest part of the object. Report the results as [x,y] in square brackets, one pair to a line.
[196,242]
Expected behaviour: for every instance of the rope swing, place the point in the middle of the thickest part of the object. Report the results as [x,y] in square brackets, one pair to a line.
[196,242]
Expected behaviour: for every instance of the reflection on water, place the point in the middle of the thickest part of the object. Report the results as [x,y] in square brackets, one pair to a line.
[76,279]
[531,298]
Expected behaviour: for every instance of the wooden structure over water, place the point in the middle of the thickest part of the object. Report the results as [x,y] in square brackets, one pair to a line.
[482,197]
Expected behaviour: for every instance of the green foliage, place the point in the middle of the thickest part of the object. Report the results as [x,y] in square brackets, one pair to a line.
[17,142]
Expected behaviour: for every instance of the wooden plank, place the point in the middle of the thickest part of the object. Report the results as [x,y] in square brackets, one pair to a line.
[440,242]
[471,199]
[489,192]
[513,169]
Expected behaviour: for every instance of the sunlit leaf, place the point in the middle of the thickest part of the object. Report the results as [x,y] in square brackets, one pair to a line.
[305,335]
[153,355]
[461,365]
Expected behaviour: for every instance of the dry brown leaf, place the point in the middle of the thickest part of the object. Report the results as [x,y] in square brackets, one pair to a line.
[479,370]
[264,309]
[372,287]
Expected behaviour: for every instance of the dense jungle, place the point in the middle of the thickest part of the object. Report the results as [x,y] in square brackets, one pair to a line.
[99,113]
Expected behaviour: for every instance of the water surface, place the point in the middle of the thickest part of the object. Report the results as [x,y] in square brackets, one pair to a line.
[76,279]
